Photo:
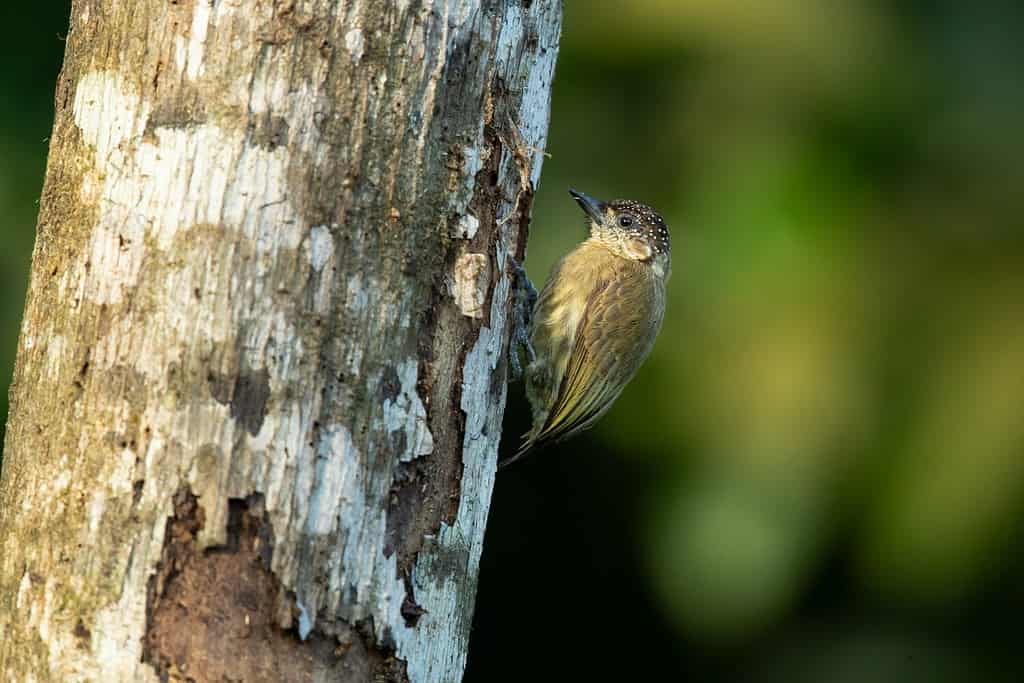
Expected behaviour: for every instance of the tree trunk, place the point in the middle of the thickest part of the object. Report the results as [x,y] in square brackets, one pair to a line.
[261,373]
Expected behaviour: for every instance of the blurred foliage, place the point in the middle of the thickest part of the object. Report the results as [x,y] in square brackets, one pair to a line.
[825,452]
[818,476]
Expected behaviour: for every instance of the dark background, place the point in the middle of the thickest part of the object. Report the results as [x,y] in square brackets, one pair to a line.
[819,474]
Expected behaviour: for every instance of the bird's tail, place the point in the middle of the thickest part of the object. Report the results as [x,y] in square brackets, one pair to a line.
[524,450]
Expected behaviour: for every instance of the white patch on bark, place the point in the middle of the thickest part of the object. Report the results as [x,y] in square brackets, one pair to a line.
[97,503]
[407,414]
[364,582]
[269,90]
[55,354]
[116,644]
[63,479]
[159,190]
[108,114]
[274,92]
[305,623]
[471,279]
[357,293]
[354,360]
[355,43]
[23,588]
[189,56]
[467,226]
[474,158]
[474,162]
[335,458]
[321,247]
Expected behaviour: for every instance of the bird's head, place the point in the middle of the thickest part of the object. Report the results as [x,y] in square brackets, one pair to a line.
[629,229]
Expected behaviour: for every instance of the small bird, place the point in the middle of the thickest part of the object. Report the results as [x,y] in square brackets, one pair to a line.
[596,319]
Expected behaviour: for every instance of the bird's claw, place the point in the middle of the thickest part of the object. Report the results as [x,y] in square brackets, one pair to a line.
[525,296]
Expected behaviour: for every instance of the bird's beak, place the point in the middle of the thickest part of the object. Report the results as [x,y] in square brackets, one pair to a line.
[590,206]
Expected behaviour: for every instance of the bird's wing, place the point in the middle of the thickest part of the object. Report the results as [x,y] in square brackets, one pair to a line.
[603,360]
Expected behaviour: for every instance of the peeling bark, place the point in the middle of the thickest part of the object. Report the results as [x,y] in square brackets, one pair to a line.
[261,373]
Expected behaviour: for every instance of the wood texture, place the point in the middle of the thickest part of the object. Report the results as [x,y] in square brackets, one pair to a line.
[261,373]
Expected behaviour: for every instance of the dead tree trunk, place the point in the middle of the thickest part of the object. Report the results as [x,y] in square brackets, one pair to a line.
[261,373]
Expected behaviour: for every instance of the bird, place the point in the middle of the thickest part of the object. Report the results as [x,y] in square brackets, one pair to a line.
[596,319]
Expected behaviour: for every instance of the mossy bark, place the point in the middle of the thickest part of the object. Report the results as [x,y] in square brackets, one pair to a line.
[261,373]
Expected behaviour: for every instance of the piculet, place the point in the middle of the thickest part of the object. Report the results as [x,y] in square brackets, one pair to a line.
[596,319]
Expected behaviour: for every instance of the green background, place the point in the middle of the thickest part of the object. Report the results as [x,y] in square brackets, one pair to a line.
[819,474]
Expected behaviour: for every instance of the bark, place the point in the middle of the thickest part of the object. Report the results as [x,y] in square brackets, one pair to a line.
[261,373]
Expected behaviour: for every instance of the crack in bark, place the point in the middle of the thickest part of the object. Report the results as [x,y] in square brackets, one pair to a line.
[418,503]
[426,492]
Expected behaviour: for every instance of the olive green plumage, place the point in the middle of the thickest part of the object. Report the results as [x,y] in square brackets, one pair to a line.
[596,319]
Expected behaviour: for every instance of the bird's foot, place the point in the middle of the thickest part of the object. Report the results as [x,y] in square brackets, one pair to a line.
[524,298]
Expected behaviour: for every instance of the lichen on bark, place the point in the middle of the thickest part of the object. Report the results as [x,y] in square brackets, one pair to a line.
[250,291]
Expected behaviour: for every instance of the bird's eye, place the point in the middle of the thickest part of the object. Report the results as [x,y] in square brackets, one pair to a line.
[625,221]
